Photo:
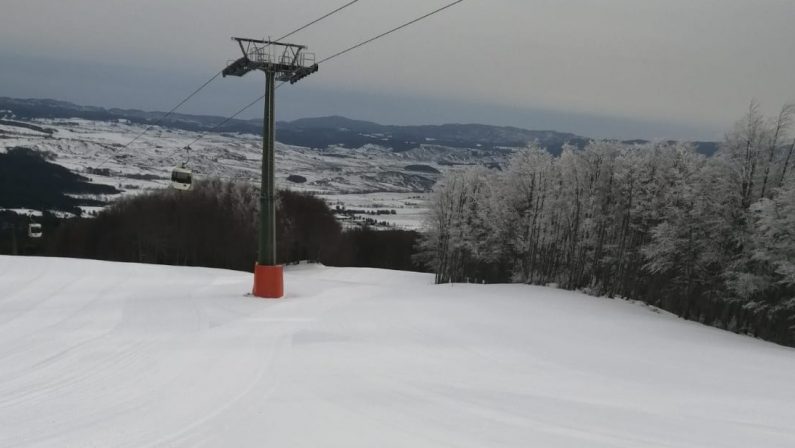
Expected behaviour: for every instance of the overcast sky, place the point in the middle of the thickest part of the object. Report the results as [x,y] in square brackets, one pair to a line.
[604,68]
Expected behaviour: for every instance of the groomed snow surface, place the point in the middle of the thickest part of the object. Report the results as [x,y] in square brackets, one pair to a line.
[96,354]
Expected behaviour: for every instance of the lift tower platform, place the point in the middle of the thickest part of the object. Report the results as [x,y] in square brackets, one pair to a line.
[286,63]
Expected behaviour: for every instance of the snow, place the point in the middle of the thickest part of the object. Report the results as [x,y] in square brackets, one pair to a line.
[410,210]
[352,176]
[97,354]
[23,211]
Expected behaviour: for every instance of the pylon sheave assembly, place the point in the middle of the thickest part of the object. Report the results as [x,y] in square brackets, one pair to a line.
[285,63]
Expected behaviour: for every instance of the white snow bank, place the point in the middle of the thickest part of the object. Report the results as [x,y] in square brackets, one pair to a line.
[111,355]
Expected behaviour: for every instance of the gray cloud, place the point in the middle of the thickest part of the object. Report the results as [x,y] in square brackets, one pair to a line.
[652,68]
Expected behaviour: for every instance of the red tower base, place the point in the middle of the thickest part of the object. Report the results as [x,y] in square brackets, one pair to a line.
[269,282]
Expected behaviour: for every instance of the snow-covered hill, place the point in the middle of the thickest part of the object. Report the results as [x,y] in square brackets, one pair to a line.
[96,354]
[368,178]
[83,145]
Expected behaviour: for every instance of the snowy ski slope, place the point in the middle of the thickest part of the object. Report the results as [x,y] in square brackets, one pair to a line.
[96,354]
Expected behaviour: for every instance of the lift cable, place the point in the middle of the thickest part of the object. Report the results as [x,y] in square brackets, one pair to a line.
[334,56]
[227,120]
[393,30]
[316,20]
[195,92]
[169,113]
[209,81]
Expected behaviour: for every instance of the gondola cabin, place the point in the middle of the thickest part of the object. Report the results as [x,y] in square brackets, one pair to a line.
[181,179]
[35,231]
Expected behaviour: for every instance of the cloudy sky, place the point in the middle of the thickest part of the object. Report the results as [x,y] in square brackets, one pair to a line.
[605,68]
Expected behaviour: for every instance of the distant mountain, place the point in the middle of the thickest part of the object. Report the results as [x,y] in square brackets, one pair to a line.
[46,108]
[333,122]
[327,131]
[322,132]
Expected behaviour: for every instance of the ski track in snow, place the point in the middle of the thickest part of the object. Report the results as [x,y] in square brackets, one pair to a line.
[96,354]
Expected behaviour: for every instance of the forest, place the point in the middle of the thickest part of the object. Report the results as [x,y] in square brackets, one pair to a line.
[711,239]
[214,225]
[28,179]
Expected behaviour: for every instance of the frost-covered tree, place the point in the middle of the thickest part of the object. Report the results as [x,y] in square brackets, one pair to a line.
[701,237]
[775,148]
[685,251]
[743,150]
[774,236]
[526,193]
[459,228]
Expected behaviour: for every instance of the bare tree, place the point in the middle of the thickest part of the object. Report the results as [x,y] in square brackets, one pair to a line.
[786,164]
[780,128]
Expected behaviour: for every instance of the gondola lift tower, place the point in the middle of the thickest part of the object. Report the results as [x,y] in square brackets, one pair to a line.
[286,63]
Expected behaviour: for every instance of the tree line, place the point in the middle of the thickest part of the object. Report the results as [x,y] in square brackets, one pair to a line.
[711,239]
[214,225]
[28,179]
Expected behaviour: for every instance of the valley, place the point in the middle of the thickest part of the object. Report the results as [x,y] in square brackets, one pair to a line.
[367,180]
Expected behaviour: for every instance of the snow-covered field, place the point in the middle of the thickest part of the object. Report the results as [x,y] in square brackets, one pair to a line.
[96,354]
[352,176]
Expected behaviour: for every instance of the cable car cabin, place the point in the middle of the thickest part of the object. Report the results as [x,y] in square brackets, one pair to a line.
[181,179]
[35,231]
